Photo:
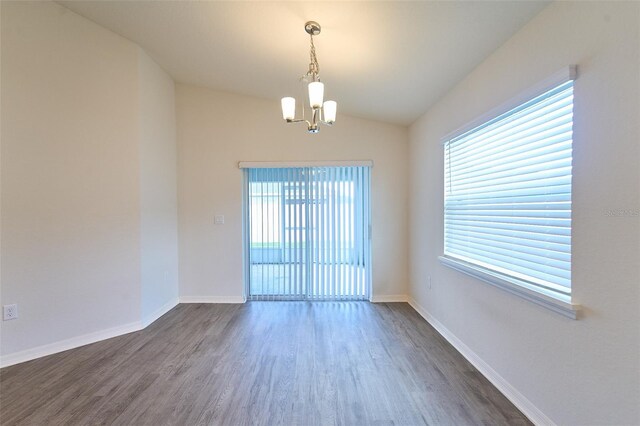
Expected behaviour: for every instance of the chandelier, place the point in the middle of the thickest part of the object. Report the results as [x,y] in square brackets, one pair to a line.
[321,112]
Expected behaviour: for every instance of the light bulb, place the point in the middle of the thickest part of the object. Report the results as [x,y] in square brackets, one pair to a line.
[329,110]
[288,108]
[316,94]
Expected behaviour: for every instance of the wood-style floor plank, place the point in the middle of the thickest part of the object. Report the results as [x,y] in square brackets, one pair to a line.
[260,363]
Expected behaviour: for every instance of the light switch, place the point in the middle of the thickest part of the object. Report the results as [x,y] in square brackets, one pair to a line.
[218,219]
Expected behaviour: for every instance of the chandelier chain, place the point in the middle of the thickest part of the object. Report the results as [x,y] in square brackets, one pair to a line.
[314,67]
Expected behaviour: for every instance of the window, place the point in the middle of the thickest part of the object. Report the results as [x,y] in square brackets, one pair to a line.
[507,203]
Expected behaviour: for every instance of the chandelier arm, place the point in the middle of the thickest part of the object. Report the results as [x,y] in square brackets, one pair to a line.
[301,120]
[316,117]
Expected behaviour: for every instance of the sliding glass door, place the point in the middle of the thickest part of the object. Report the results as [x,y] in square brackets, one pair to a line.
[307,233]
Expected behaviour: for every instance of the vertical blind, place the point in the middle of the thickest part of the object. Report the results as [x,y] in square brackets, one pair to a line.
[307,232]
[508,193]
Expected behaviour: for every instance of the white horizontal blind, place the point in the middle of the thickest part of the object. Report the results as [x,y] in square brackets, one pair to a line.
[308,233]
[508,193]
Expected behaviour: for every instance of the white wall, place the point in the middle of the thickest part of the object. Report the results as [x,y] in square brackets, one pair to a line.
[70,225]
[158,188]
[576,372]
[217,129]
[80,105]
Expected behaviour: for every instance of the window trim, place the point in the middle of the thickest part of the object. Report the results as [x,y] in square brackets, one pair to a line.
[549,300]
[289,164]
[556,302]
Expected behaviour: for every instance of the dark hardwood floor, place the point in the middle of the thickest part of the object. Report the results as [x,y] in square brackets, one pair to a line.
[260,363]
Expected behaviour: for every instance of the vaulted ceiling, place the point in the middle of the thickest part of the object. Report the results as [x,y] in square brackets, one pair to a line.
[387,61]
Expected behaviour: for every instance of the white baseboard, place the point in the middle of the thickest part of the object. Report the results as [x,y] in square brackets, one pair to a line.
[211,299]
[75,342]
[63,345]
[160,312]
[518,399]
[389,298]
[85,339]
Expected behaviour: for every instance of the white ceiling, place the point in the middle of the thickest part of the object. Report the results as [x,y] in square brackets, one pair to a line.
[387,61]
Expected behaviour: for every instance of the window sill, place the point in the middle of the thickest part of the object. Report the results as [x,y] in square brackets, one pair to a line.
[560,304]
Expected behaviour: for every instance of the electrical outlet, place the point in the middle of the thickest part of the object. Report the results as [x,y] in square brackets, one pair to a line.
[218,219]
[10,312]
[429,281]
